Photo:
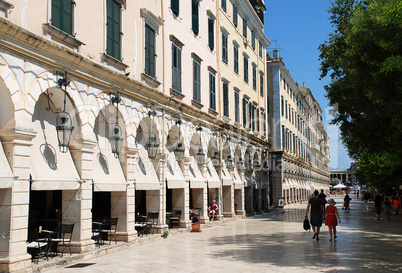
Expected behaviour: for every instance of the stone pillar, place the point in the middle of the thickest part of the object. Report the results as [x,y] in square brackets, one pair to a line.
[14,203]
[77,204]
[130,176]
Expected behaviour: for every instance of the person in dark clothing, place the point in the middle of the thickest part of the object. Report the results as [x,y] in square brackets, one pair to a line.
[317,210]
[377,206]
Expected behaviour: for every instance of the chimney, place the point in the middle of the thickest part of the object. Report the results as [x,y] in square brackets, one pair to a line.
[275,54]
[303,84]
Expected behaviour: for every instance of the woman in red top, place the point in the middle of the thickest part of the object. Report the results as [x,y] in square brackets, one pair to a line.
[331,213]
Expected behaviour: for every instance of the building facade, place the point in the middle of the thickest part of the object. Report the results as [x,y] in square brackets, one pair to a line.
[158,119]
[299,153]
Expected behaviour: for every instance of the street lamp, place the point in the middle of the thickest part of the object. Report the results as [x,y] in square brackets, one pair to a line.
[229,162]
[116,139]
[240,164]
[152,146]
[215,159]
[179,151]
[64,126]
[200,156]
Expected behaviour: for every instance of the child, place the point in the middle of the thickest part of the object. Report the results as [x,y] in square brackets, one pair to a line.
[331,213]
[396,206]
[387,209]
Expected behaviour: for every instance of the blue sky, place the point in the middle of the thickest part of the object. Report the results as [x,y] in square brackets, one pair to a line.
[296,28]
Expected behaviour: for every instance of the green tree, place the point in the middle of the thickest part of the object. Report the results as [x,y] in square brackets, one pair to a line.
[363,58]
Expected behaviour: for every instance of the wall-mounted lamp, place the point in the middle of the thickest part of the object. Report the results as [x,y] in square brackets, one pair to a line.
[240,164]
[152,146]
[200,156]
[64,126]
[229,162]
[116,139]
[179,151]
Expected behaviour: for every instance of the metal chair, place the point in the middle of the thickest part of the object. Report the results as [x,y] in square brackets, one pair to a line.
[153,219]
[66,232]
[109,227]
[36,247]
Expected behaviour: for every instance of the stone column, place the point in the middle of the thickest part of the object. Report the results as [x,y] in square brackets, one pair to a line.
[14,203]
[77,204]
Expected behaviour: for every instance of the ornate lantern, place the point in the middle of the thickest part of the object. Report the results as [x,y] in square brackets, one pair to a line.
[152,146]
[229,162]
[216,159]
[64,126]
[116,139]
[200,156]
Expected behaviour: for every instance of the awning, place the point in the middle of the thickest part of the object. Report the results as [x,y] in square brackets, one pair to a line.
[213,178]
[238,183]
[6,175]
[107,172]
[146,177]
[249,179]
[227,179]
[197,180]
[174,174]
[50,168]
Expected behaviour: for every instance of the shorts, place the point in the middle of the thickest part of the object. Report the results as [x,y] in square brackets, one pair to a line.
[316,220]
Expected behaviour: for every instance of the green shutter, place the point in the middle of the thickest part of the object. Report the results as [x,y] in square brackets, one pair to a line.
[175,6]
[62,15]
[211,33]
[149,51]
[113,29]
[235,15]
[194,12]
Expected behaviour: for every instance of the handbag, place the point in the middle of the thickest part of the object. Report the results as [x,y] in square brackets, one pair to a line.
[306,224]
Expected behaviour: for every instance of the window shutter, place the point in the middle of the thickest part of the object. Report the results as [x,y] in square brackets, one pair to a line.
[211,33]
[67,17]
[113,29]
[175,6]
[235,15]
[56,13]
[194,11]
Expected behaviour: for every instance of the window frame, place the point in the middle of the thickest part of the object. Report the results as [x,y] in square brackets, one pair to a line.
[262,84]
[254,76]
[151,60]
[112,22]
[195,17]
[224,47]
[212,91]
[236,58]
[196,81]
[211,33]
[235,15]
[237,105]
[176,70]
[62,12]
[225,101]
[175,7]
[245,68]
[244,28]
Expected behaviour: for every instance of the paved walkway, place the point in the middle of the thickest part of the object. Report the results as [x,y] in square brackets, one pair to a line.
[272,242]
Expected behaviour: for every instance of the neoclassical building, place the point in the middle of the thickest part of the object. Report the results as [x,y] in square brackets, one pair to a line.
[123,108]
[299,152]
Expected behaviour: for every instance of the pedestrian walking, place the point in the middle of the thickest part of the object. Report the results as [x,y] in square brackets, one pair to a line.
[366,197]
[331,218]
[396,205]
[387,209]
[377,207]
[317,210]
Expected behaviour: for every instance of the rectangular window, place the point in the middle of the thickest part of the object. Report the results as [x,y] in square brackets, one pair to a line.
[212,92]
[257,115]
[62,15]
[211,42]
[223,5]
[250,114]
[176,68]
[253,39]
[224,47]
[237,106]
[235,21]
[282,106]
[236,59]
[149,51]
[244,28]
[254,77]
[196,81]
[175,6]
[194,16]
[283,137]
[225,99]
[286,109]
[262,85]
[264,118]
[245,69]
[260,49]
[113,29]
[245,112]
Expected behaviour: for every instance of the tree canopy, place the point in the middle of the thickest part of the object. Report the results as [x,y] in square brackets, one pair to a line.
[363,58]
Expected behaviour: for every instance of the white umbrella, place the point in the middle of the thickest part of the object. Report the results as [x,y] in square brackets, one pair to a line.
[339,186]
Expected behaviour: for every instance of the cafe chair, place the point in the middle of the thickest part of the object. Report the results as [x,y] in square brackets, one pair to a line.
[36,247]
[152,220]
[109,227]
[66,232]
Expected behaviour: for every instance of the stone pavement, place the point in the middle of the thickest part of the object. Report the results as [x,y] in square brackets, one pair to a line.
[272,242]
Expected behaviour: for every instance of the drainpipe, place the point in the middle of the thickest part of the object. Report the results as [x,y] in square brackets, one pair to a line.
[163,119]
